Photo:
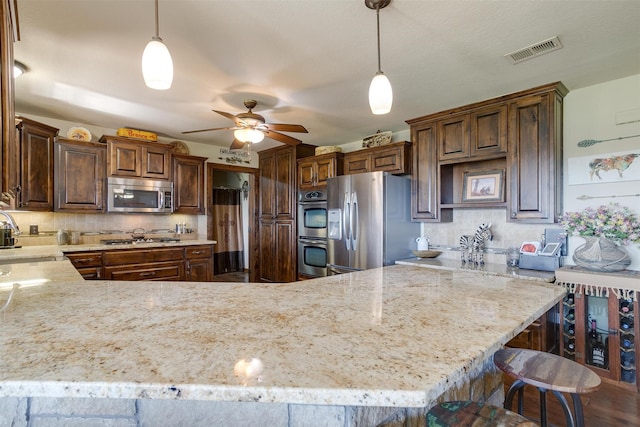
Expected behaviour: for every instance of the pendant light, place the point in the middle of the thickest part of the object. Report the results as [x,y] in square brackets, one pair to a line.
[157,66]
[380,92]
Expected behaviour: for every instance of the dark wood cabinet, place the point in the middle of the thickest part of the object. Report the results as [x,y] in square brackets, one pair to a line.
[188,184]
[130,158]
[88,264]
[516,136]
[314,171]
[192,263]
[394,158]
[277,213]
[199,263]
[80,175]
[541,335]
[9,32]
[535,156]
[33,164]
[425,189]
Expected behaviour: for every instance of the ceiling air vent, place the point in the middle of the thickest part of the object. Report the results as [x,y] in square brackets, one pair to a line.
[534,50]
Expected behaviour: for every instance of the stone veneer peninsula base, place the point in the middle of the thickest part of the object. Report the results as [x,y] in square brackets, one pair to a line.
[372,348]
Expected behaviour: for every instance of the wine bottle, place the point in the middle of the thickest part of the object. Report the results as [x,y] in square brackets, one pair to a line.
[626,323]
[571,315]
[571,329]
[598,356]
[591,344]
[626,306]
[570,299]
[571,345]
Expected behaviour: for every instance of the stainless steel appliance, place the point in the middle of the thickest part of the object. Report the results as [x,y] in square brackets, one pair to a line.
[312,213]
[312,257]
[369,221]
[312,233]
[139,195]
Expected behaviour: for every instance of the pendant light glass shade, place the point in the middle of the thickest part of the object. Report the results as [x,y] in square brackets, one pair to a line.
[248,135]
[380,94]
[157,66]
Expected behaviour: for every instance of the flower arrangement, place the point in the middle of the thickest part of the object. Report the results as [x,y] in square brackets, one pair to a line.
[615,222]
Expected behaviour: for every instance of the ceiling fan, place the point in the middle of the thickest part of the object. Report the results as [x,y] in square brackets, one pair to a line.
[252,128]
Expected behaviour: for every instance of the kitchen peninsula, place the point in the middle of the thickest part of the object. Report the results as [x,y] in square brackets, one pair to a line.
[358,349]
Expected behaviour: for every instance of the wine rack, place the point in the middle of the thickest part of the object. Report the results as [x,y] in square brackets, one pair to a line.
[569,327]
[627,341]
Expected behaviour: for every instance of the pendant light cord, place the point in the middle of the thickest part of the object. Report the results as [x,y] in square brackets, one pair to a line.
[157,36]
[378,27]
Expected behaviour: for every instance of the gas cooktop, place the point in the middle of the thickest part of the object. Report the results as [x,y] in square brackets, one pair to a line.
[136,241]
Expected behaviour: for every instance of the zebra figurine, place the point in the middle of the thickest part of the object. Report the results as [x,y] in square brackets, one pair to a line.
[466,248]
[483,234]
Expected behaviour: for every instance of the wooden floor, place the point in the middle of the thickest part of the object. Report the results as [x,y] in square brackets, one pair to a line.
[240,276]
[609,406]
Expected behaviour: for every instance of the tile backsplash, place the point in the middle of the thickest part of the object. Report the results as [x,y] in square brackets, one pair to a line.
[466,221]
[50,222]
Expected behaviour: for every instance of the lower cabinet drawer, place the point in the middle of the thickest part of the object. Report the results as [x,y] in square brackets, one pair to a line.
[85,259]
[90,273]
[204,251]
[156,271]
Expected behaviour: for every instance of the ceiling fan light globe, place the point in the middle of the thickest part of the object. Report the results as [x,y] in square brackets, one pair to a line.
[248,135]
[380,94]
[157,66]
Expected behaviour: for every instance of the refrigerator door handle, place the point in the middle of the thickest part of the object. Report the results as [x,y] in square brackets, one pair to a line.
[354,220]
[346,206]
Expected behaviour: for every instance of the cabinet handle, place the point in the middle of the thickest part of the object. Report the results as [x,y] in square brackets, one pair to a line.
[149,274]
[198,252]
[84,260]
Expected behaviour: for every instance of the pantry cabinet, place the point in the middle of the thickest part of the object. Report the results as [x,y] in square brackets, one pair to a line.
[277,212]
[80,174]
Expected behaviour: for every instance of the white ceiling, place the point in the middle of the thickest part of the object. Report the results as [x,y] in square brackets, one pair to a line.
[307,62]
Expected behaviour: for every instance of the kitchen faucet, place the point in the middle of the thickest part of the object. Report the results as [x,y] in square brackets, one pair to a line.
[12,222]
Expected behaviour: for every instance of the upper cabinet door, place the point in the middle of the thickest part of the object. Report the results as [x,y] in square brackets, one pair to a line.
[489,131]
[188,184]
[137,159]
[453,137]
[35,147]
[125,159]
[535,158]
[80,176]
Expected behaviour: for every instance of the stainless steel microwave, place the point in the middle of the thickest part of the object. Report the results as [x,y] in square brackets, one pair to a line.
[139,195]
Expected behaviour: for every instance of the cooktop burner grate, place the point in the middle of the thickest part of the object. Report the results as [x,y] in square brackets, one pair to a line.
[135,241]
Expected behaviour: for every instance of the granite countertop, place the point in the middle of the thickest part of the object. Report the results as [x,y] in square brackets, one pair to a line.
[486,269]
[56,252]
[393,336]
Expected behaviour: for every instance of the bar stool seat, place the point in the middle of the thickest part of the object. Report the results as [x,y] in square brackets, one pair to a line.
[547,372]
[468,413]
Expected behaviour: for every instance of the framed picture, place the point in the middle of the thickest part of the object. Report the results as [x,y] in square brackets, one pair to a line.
[485,186]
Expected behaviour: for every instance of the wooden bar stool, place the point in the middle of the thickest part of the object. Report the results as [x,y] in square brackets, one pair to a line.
[546,371]
[468,413]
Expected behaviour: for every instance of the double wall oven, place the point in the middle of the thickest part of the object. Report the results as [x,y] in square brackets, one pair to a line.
[312,233]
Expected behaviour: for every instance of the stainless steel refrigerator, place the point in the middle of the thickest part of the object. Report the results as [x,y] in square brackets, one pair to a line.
[368,221]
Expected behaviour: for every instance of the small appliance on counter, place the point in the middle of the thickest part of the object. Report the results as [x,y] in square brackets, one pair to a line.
[547,255]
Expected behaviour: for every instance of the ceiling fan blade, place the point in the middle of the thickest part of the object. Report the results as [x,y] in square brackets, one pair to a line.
[282,127]
[237,145]
[225,114]
[282,137]
[207,130]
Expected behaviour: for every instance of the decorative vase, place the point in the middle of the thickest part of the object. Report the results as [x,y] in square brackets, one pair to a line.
[601,254]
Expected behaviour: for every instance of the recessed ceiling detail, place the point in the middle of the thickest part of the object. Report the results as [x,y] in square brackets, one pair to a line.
[534,50]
